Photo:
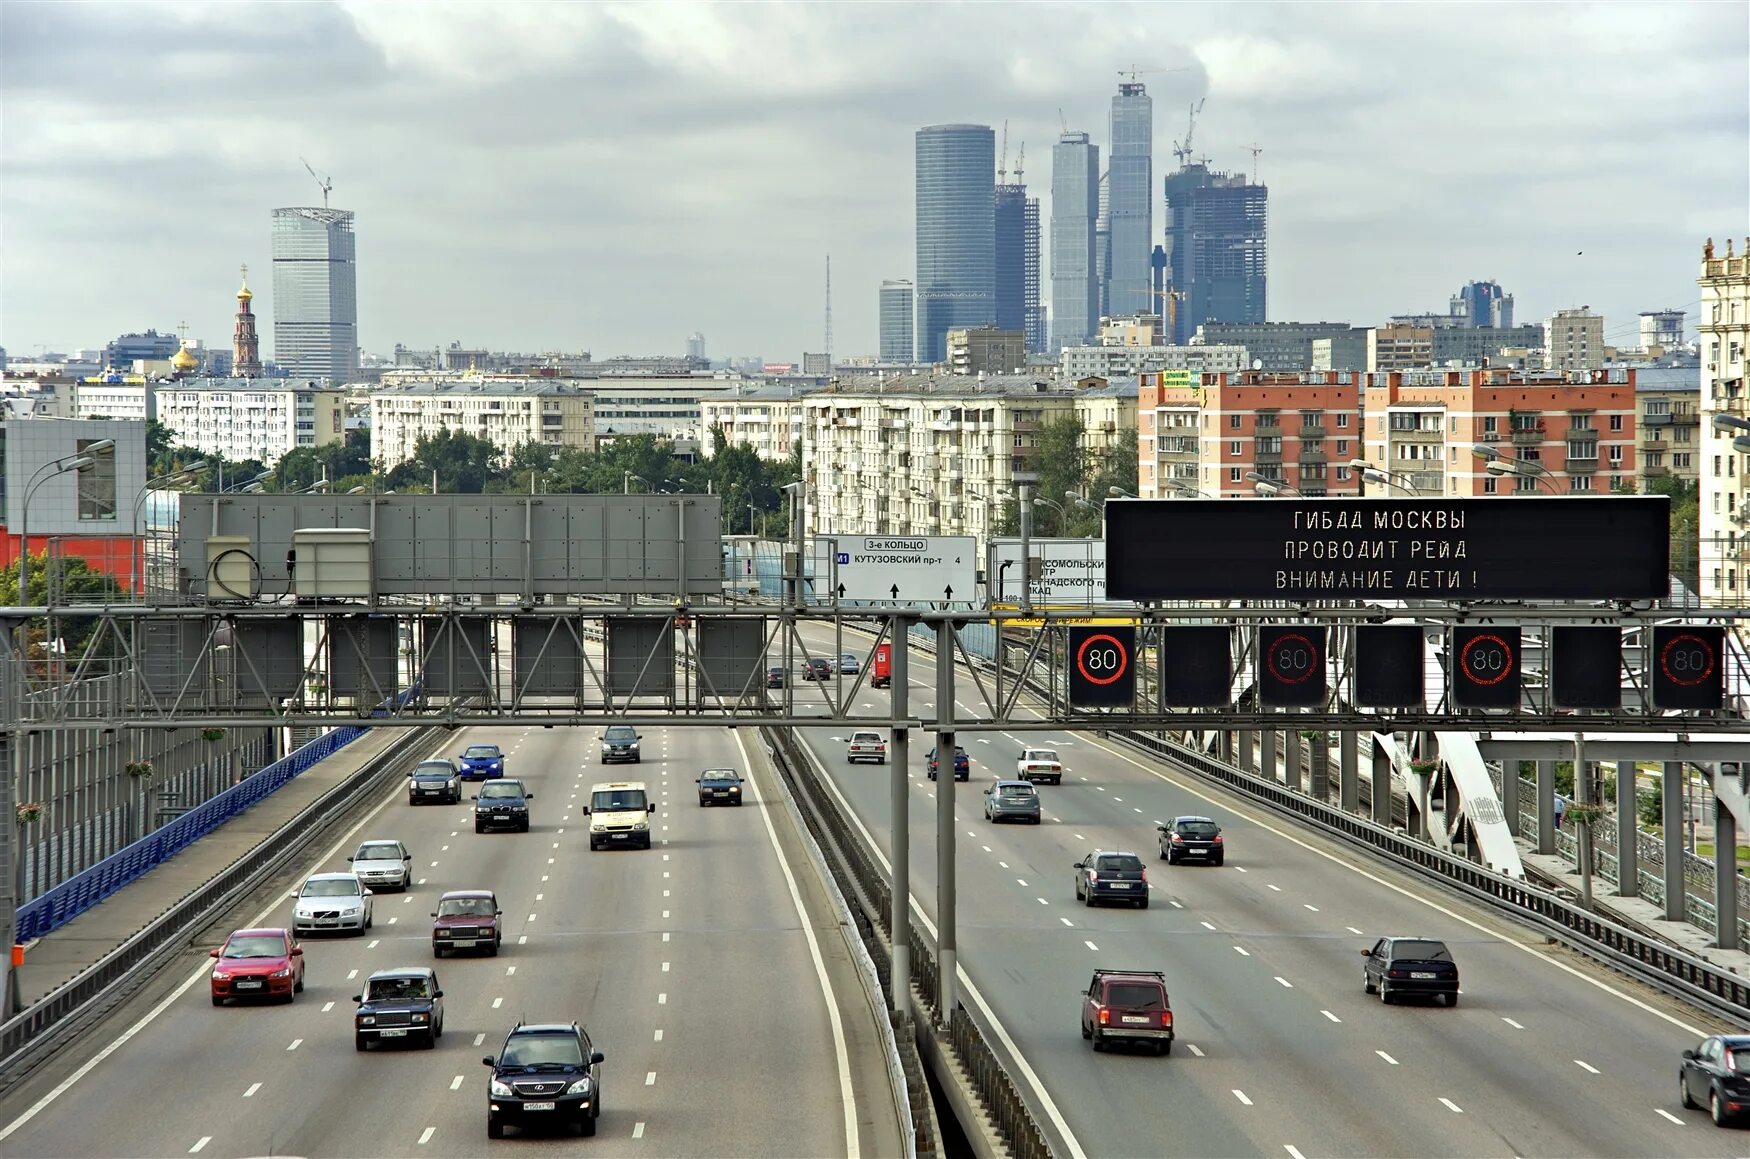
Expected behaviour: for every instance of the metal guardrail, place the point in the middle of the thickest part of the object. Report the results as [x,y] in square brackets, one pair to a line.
[1008,1110]
[31,1036]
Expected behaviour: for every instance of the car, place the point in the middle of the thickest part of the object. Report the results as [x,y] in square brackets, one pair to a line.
[1404,967]
[482,762]
[1112,875]
[402,1003]
[1012,801]
[466,919]
[1038,765]
[848,664]
[1192,839]
[331,902]
[818,668]
[1721,1067]
[383,864]
[720,787]
[265,963]
[866,745]
[1128,1006]
[775,677]
[962,764]
[620,743]
[434,781]
[502,804]
[544,1075]
[619,814]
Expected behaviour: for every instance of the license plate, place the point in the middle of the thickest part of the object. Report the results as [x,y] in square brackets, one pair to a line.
[537,1106]
[252,984]
[432,792]
[393,1033]
[1422,974]
[462,943]
[1121,885]
[501,816]
[1136,1019]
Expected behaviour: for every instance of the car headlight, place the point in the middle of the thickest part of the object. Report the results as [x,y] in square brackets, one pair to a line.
[284,972]
[351,910]
[421,1017]
[735,788]
[367,1020]
[640,825]
[220,976]
[499,1090]
[580,1087]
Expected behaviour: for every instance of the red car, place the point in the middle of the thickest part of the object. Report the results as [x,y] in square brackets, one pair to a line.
[466,919]
[258,964]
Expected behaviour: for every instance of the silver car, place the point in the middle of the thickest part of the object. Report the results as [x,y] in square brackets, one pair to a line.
[331,902]
[1012,801]
[383,864]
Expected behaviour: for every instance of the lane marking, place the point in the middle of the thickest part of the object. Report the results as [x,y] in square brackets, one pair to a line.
[1042,901]
[665,967]
[1293,1151]
[1004,864]
[1243,952]
[1176,904]
[1091,946]
[1586,1066]
[374,943]
[1452,1106]
[1067,922]
[425,1135]
[1241,868]
[327,1006]
[509,970]
[522,940]
[1390,1061]
[1285,981]
[497,1002]
[200,1143]
[1352,930]
[1194,1049]
[1277,888]
[1313,908]
[1207,925]
[250,1093]
[1669,1115]
[1331,1016]
[638,1130]
[1513,1024]
[986,848]
[662,999]
[1241,1096]
[658,1036]
[1022,881]
[650,1078]
[456,1083]
[296,1043]
[391,921]
[479,1039]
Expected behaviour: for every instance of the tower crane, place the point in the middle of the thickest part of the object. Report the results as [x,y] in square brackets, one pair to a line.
[1133,72]
[326,183]
[1003,161]
[1019,160]
[1182,149]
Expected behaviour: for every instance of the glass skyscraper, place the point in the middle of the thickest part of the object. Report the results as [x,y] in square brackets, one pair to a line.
[1017,269]
[896,333]
[1217,248]
[1075,205]
[315,294]
[956,233]
[1130,214]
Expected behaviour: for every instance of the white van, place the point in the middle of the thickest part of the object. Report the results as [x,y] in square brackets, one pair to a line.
[619,814]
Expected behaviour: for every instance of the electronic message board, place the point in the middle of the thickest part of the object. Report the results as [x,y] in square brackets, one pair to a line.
[1586,667]
[1388,666]
[1613,547]
[1196,667]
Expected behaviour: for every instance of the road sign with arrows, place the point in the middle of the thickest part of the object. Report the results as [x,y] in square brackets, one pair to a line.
[919,570]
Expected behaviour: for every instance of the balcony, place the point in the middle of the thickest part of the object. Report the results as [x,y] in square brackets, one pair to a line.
[1428,482]
[1686,419]
[1313,453]
[1656,472]
[1312,431]
[1023,426]
[1267,428]
[1582,451]
[1262,456]
[1653,420]
[1528,436]
[1425,435]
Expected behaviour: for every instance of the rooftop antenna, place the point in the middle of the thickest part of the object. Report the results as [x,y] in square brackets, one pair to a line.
[829,313]
[1255,150]
[1182,149]
[1003,161]
[1063,119]
[326,183]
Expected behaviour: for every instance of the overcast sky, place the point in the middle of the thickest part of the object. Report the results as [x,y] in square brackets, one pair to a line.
[612,177]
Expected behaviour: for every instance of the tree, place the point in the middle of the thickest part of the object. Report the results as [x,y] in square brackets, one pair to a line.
[73,581]
[1685,499]
[463,463]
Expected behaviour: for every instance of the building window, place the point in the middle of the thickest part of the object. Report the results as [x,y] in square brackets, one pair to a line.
[1233,475]
[1489,485]
[1233,421]
[1489,424]
[1233,448]
[1616,422]
[1342,421]
[1680,460]
[1580,483]
[1616,454]
[96,485]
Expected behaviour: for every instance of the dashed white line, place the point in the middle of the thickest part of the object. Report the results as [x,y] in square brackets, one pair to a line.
[662,999]
[1390,1061]
[1451,1106]
[1585,1066]
[250,1093]
[1241,1096]
[1176,904]
[456,1083]
[665,935]
[1091,946]
[497,1002]
[1352,929]
[391,921]
[1207,925]
[1067,922]
[1243,952]
[658,1036]
[1241,868]
[540,897]
[1004,864]
[1513,1024]
[650,1078]
[522,939]
[1277,888]
[1078,836]
[479,1039]
[1194,1049]
[1022,881]
[986,848]
[296,1043]
[1042,901]
[200,1143]
[665,967]
[1313,908]
[1331,1016]
[1285,982]
[425,1135]
[445,849]
[509,970]
[374,943]
[327,1006]
[1669,1115]
[1293,1151]
[434,865]
[638,1130]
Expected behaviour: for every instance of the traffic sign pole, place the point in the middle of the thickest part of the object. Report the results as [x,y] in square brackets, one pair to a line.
[947,944]
[899,803]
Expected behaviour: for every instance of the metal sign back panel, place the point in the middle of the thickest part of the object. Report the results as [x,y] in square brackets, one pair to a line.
[362,656]
[640,656]
[917,570]
[171,656]
[266,661]
[1072,573]
[547,657]
[455,656]
[732,660]
[1575,548]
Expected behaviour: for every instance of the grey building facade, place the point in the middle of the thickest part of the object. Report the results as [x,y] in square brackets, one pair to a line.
[1129,214]
[1289,345]
[896,331]
[1217,248]
[956,233]
[1017,264]
[315,294]
[121,353]
[1075,206]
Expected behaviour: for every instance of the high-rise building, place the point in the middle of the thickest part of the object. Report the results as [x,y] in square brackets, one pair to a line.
[245,344]
[120,355]
[1075,197]
[1103,251]
[896,331]
[1130,208]
[696,345]
[1483,304]
[1661,328]
[1574,340]
[1217,244]
[315,294]
[1017,264]
[1724,323]
[956,233]
[1032,304]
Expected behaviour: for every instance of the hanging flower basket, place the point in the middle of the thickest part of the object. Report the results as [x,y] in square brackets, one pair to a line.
[29,812]
[1424,767]
[211,735]
[138,769]
[317,687]
[1586,814]
[1312,734]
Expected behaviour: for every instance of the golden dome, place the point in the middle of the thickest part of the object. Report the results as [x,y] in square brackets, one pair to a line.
[182,360]
[244,295]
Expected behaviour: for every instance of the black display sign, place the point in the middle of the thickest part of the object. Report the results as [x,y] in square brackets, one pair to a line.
[1613,547]
[1485,667]
[1102,667]
[1196,667]
[1586,667]
[1291,666]
[1389,666]
[1688,667]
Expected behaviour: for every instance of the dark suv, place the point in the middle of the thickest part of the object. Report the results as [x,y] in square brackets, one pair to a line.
[546,1074]
[502,804]
[1192,839]
[1397,967]
[962,765]
[1108,875]
[620,743]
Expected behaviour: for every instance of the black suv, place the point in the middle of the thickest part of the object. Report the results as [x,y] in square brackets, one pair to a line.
[546,1074]
[620,743]
[502,803]
[1192,839]
[1397,967]
[1112,875]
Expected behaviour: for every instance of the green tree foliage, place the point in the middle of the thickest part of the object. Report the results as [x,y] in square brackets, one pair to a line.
[1685,499]
[463,464]
[345,461]
[74,581]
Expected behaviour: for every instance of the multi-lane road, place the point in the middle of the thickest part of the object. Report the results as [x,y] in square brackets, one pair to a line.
[710,973]
[1279,1050]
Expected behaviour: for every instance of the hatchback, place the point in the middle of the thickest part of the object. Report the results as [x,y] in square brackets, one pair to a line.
[1718,1073]
[266,963]
[1012,801]
[1402,967]
[1112,875]
[1192,839]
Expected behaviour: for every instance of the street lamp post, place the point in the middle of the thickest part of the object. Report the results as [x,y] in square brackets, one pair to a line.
[626,481]
[1517,468]
[1270,488]
[137,568]
[1185,490]
[43,474]
[1380,475]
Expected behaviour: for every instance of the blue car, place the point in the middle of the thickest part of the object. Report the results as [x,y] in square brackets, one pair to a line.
[482,762]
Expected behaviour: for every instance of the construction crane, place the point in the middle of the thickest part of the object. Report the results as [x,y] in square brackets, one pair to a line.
[1003,162]
[1182,149]
[1255,149]
[1019,160]
[326,183]
[1133,72]
[1063,119]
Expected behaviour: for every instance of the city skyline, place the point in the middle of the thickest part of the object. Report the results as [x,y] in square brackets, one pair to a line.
[508,209]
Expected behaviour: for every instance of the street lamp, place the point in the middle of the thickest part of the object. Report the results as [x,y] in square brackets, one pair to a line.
[182,474]
[626,481]
[1726,423]
[1118,493]
[1062,515]
[1180,487]
[1519,468]
[1264,485]
[249,486]
[1379,475]
[61,466]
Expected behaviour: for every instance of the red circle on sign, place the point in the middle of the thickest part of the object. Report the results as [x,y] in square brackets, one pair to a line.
[1283,676]
[1117,673]
[1687,681]
[1470,673]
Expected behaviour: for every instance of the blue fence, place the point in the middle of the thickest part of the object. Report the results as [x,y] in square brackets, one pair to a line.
[80,892]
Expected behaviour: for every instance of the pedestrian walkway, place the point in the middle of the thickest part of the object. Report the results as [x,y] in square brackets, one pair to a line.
[60,955]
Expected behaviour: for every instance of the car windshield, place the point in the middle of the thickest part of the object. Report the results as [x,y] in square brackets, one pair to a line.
[865,738]
[399,989]
[720,775]
[1018,792]
[378,851]
[1421,951]
[500,791]
[1119,863]
[1041,755]
[332,887]
[433,771]
[451,907]
[1198,828]
[848,658]
[480,750]
[256,946]
[617,801]
[542,1049]
[1134,996]
[620,734]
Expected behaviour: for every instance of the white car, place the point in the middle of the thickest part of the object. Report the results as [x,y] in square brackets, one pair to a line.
[383,864]
[330,902]
[867,746]
[1038,765]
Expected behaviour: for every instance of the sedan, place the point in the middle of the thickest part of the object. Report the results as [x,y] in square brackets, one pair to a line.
[720,787]
[265,963]
[1717,1072]
[1012,801]
[383,865]
[1400,967]
[466,919]
[962,764]
[434,782]
[482,762]
[775,678]
[402,1003]
[819,668]
[848,664]
[331,902]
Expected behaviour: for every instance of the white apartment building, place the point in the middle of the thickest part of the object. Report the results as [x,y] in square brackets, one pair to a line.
[506,414]
[938,455]
[128,399]
[1115,362]
[245,418]
[766,418]
[1574,340]
[1725,413]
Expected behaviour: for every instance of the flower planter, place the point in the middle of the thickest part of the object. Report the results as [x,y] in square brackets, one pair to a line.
[138,769]
[29,812]
[211,735]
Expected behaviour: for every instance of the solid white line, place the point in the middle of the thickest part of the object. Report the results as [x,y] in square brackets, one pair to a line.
[1452,1106]
[456,1083]
[1586,1066]
[638,1130]
[1241,1096]
[1091,946]
[1285,981]
[650,1078]
[200,1143]
[1669,1115]
[1388,1058]
[1331,1016]
[296,1043]
[1513,1024]
[425,1135]
[253,1087]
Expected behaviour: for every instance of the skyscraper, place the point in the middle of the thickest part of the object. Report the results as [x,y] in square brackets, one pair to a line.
[1483,304]
[1017,263]
[1130,217]
[1032,307]
[315,294]
[896,331]
[956,233]
[1075,207]
[1217,244]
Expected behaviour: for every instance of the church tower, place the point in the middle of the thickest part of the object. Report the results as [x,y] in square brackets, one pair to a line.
[245,346]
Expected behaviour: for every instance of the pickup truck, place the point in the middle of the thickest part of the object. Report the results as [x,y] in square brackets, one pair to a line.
[1128,1006]
[1038,765]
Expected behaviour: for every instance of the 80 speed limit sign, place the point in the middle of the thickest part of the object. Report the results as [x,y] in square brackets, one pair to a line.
[1687,667]
[1102,667]
[1485,667]
[1291,666]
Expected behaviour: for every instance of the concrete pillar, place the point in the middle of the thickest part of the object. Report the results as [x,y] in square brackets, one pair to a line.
[1382,789]
[1546,805]
[1319,775]
[1348,790]
[1244,738]
[1510,794]
[1267,755]
[947,941]
[1628,862]
[1671,812]
[1291,759]
[1726,877]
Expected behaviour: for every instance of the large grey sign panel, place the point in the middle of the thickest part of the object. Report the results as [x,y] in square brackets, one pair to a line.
[547,656]
[455,656]
[171,657]
[732,659]
[631,665]
[530,545]
[362,656]
[266,661]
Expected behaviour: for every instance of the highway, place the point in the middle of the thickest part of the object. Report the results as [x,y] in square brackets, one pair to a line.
[1279,1050]
[690,965]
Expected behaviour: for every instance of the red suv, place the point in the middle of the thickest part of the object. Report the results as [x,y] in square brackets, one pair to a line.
[466,919]
[1128,1006]
[266,963]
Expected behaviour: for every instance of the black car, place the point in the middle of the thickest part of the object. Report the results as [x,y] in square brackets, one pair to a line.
[774,678]
[720,787]
[1401,967]
[1192,839]
[1721,1067]
[545,1075]
[962,764]
[1112,875]
[620,743]
[403,1003]
[434,782]
[819,668]
[502,804]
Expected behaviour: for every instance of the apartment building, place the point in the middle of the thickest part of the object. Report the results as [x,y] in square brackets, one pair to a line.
[766,418]
[1127,361]
[1208,434]
[1574,340]
[1668,421]
[244,418]
[1435,432]
[986,350]
[1398,347]
[560,415]
[1725,475]
[937,455]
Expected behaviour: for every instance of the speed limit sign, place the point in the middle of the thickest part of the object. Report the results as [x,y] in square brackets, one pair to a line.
[1687,667]
[1291,666]
[1102,667]
[1485,667]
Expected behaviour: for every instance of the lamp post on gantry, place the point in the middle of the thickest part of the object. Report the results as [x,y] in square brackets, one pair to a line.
[62,466]
[1380,475]
[137,566]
